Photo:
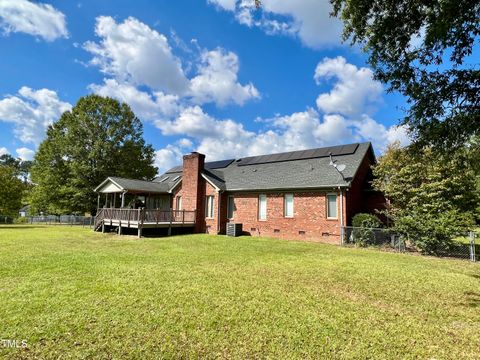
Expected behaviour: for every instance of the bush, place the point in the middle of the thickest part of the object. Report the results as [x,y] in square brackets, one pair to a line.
[363,224]
[432,234]
[20,220]
[364,220]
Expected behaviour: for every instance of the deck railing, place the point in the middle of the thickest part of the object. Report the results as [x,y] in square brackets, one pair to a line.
[146,215]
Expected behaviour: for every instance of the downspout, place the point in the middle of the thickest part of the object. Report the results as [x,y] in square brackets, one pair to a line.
[342,223]
[341,207]
[218,211]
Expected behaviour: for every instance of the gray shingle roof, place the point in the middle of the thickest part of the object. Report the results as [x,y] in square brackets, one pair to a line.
[295,174]
[140,185]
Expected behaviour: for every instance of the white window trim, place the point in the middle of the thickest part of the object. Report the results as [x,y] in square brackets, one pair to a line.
[178,201]
[230,199]
[266,207]
[327,204]
[285,205]
[207,197]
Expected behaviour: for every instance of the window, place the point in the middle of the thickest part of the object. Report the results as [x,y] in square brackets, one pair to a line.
[176,178]
[178,205]
[230,207]
[209,207]
[332,206]
[262,207]
[288,205]
[164,179]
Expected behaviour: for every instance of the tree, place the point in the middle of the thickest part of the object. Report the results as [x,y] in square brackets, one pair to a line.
[21,166]
[99,137]
[421,48]
[11,191]
[432,196]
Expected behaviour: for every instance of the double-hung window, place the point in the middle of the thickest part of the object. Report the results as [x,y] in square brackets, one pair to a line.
[262,207]
[178,204]
[230,206]
[332,211]
[288,205]
[209,206]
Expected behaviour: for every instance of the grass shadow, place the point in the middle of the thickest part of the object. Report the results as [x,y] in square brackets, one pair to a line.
[22,227]
[473,298]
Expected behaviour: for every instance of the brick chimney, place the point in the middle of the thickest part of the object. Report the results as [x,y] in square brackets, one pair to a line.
[193,187]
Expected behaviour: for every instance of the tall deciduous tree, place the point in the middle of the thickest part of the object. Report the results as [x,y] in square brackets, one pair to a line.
[11,191]
[21,166]
[421,48]
[432,195]
[99,137]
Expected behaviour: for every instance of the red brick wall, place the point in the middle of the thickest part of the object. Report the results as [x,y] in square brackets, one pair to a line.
[360,197]
[204,225]
[193,188]
[309,216]
[211,224]
[309,221]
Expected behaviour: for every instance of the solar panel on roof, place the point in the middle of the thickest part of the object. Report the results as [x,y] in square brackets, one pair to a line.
[349,149]
[175,169]
[299,155]
[219,164]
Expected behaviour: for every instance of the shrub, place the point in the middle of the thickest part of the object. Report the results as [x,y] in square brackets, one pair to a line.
[432,234]
[20,220]
[365,220]
[363,224]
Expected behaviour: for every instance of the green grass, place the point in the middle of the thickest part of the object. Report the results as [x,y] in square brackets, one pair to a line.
[72,293]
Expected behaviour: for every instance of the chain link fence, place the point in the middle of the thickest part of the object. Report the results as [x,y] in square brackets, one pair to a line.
[6,220]
[61,220]
[465,246]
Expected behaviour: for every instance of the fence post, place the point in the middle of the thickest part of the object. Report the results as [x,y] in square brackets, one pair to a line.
[472,246]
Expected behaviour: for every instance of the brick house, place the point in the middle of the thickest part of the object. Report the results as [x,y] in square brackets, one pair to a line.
[294,195]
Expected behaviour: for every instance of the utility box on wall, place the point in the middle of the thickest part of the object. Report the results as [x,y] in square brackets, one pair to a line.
[234,229]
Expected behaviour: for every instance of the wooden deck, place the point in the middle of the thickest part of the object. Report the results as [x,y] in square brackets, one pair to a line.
[143,218]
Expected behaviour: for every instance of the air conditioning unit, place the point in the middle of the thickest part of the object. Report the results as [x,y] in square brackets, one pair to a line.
[234,229]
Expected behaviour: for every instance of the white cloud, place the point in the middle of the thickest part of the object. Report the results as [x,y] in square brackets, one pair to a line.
[355,91]
[168,157]
[217,80]
[133,52]
[379,135]
[220,139]
[225,4]
[136,55]
[25,153]
[32,111]
[307,19]
[3,151]
[157,105]
[35,19]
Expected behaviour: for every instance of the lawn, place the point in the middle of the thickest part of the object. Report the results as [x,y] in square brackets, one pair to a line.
[72,293]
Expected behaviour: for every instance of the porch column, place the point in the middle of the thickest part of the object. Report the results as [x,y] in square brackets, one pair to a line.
[98,201]
[106,200]
[123,199]
[114,199]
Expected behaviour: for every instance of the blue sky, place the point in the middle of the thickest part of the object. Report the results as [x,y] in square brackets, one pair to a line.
[215,76]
